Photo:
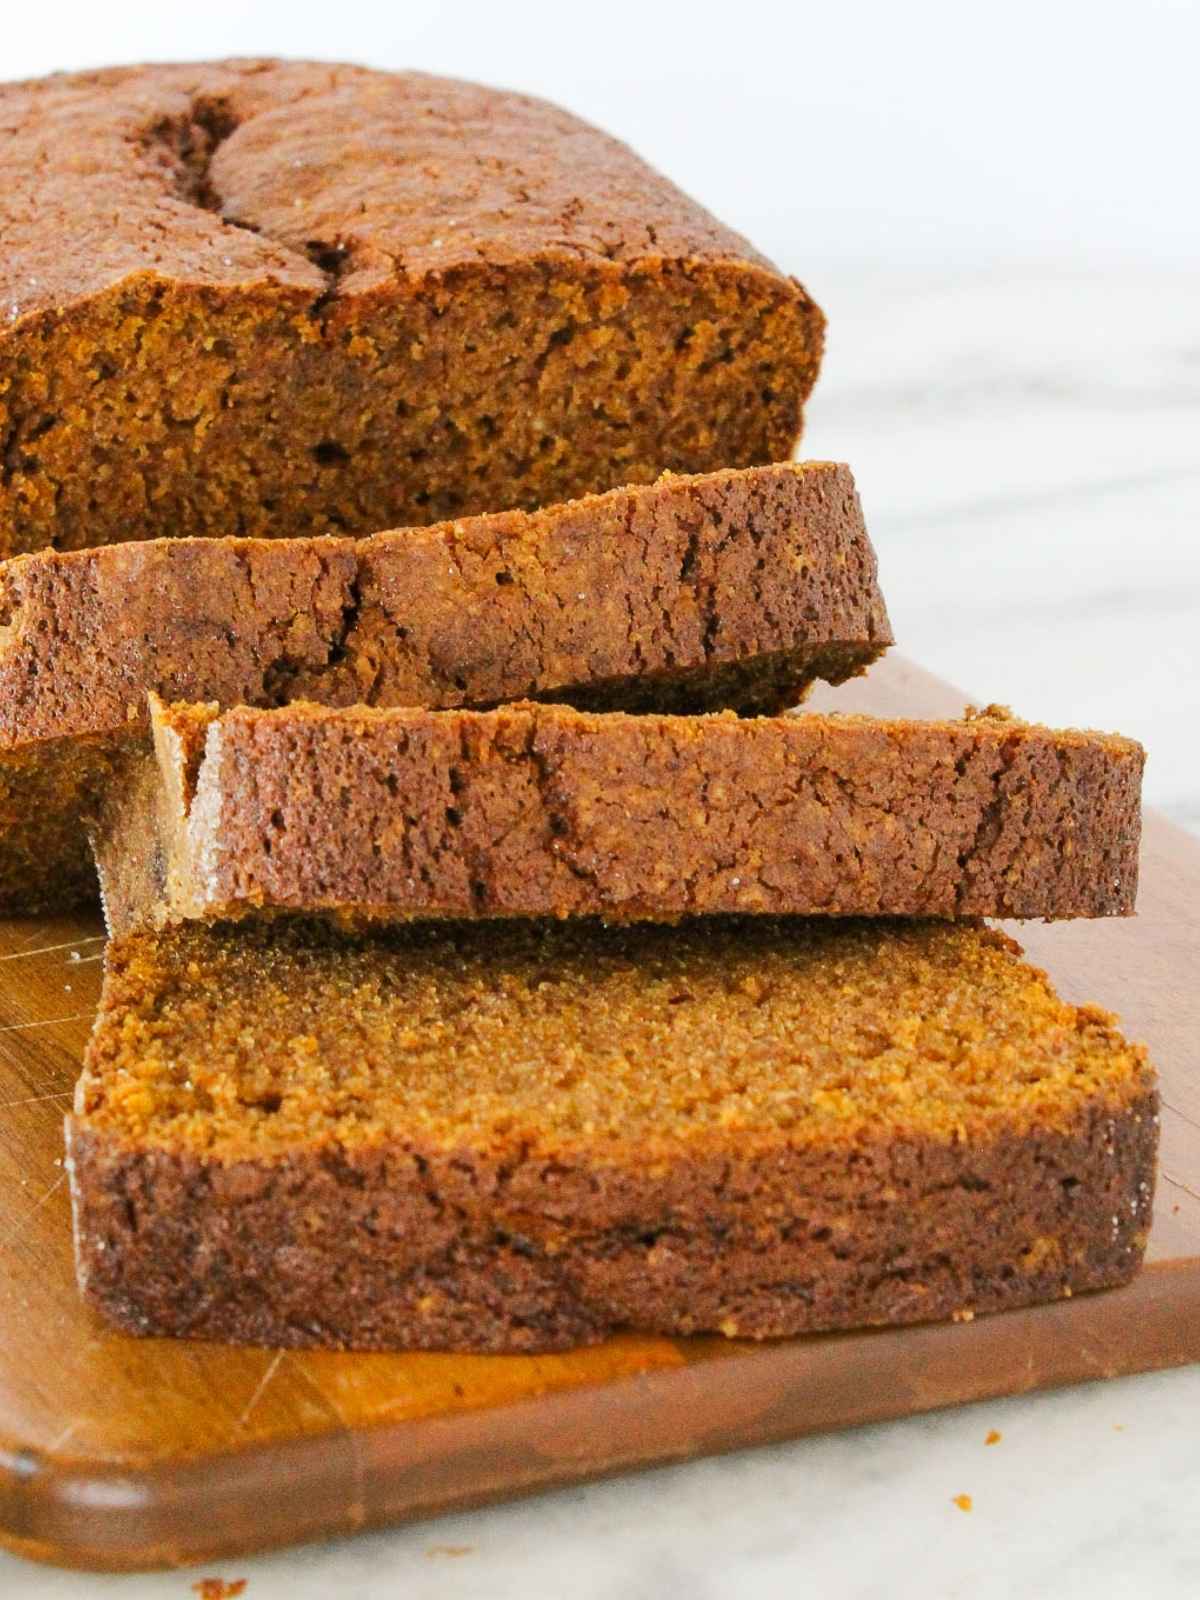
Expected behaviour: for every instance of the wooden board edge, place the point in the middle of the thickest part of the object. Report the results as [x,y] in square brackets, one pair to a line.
[106,1517]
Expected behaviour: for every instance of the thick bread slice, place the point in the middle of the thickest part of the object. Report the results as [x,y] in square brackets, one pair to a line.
[543,811]
[520,1136]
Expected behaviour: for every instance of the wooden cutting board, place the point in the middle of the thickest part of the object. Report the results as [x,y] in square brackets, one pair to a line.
[120,1453]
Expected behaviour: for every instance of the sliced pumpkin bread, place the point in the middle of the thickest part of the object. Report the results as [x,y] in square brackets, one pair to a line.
[534,810]
[735,589]
[523,1136]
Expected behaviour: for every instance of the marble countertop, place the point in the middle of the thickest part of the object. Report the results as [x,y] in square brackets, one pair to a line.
[1027,446]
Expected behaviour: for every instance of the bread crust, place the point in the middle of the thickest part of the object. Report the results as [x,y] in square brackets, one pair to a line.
[664,1255]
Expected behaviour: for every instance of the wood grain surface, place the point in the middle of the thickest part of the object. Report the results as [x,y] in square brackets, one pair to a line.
[122,1453]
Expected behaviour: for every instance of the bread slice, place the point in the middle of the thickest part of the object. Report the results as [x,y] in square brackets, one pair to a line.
[542,811]
[522,1136]
[281,296]
[737,588]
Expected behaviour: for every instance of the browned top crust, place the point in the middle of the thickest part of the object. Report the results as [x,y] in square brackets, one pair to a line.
[405,177]
[542,811]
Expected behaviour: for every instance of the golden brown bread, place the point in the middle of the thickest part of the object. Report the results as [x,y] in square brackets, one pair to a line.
[521,1136]
[735,588]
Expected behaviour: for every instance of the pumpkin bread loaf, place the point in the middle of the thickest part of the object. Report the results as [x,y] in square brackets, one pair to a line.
[736,588]
[262,297]
[524,1136]
[534,810]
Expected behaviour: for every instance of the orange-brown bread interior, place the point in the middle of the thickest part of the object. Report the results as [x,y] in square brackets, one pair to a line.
[523,1136]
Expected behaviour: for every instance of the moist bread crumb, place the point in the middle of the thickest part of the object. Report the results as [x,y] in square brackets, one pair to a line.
[524,1136]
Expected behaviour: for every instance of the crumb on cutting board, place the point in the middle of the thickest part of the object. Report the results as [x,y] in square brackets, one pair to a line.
[219,1588]
[963,1502]
[994,1436]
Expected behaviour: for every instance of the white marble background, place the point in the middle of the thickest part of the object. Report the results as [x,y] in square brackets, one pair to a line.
[1027,447]
[1016,379]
